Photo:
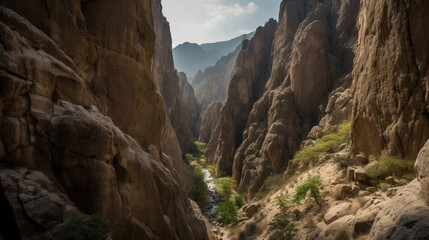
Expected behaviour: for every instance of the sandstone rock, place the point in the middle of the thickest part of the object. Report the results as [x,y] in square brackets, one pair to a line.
[405,216]
[341,191]
[361,159]
[351,173]
[371,189]
[390,179]
[364,194]
[190,105]
[396,118]
[168,84]
[365,216]
[355,190]
[335,228]
[251,209]
[422,170]
[209,119]
[248,75]
[87,79]
[336,212]
[33,198]
[215,80]
[359,175]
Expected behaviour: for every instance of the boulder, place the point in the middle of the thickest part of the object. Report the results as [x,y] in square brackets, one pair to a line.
[341,191]
[422,171]
[336,212]
[365,216]
[250,210]
[405,216]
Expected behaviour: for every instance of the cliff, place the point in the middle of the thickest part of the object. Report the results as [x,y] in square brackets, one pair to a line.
[190,104]
[214,82]
[312,54]
[79,109]
[390,79]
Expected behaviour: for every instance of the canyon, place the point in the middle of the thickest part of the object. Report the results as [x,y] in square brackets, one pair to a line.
[98,117]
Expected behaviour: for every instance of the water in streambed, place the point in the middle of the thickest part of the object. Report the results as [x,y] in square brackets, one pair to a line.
[214,198]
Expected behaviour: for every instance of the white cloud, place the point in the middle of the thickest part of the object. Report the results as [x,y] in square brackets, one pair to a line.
[245,31]
[219,12]
[216,20]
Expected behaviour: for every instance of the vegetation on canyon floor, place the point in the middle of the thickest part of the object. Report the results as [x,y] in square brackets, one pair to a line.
[390,166]
[330,142]
[92,227]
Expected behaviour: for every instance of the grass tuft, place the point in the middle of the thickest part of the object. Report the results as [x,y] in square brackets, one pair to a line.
[329,143]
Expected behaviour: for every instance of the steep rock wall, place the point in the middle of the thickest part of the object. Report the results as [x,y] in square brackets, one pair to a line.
[391,79]
[78,104]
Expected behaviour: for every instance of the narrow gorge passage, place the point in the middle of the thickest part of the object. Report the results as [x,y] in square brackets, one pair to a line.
[214,120]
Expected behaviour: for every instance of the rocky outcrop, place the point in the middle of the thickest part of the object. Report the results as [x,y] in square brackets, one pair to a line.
[405,216]
[209,119]
[167,82]
[79,106]
[248,78]
[312,54]
[422,171]
[32,206]
[214,81]
[190,105]
[390,79]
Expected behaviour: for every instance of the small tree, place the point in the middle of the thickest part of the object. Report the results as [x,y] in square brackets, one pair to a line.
[282,224]
[312,184]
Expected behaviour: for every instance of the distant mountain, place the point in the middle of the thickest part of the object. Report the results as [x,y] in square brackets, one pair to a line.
[191,57]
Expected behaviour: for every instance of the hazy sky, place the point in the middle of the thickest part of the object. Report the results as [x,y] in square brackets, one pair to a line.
[202,21]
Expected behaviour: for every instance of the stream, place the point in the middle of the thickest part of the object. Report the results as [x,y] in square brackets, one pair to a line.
[214,198]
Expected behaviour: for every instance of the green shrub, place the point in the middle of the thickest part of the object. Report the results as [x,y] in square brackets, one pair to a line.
[228,211]
[200,193]
[283,201]
[330,142]
[93,227]
[258,153]
[282,226]
[226,186]
[238,200]
[201,147]
[312,184]
[342,162]
[387,166]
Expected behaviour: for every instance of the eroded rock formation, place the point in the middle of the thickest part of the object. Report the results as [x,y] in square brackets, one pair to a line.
[312,54]
[167,82]
[209,119]
[79,108]
[215,80]
[391,79]
[190,105]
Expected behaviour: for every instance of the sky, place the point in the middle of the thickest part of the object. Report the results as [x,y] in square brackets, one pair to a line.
[203,21]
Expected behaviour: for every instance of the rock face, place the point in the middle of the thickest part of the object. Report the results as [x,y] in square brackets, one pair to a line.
[422,171]
[406,216]
[215,80]
[192,58]
[167,82]
[248,78]
[390,86]
[79,108]
[35,204]
[209,119]
[190,105]
[312,54]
